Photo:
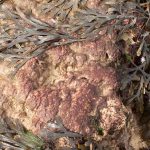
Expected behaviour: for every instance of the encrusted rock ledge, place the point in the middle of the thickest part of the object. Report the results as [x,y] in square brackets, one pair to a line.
[74,82]
[77,82]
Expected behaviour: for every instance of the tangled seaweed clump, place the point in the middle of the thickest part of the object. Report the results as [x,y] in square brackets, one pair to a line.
[13,135]
[137,60]
[83,24]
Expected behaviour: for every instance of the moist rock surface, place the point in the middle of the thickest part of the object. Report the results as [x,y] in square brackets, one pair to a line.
[72,82]
[77,82]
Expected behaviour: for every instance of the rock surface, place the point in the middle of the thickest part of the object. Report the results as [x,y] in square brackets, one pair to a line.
[70,81]
[77,82]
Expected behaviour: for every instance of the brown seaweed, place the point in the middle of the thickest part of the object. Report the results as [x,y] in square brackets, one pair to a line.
[13,135]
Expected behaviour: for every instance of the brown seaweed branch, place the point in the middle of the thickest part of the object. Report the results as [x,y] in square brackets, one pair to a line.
[31,37]
[136,80]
